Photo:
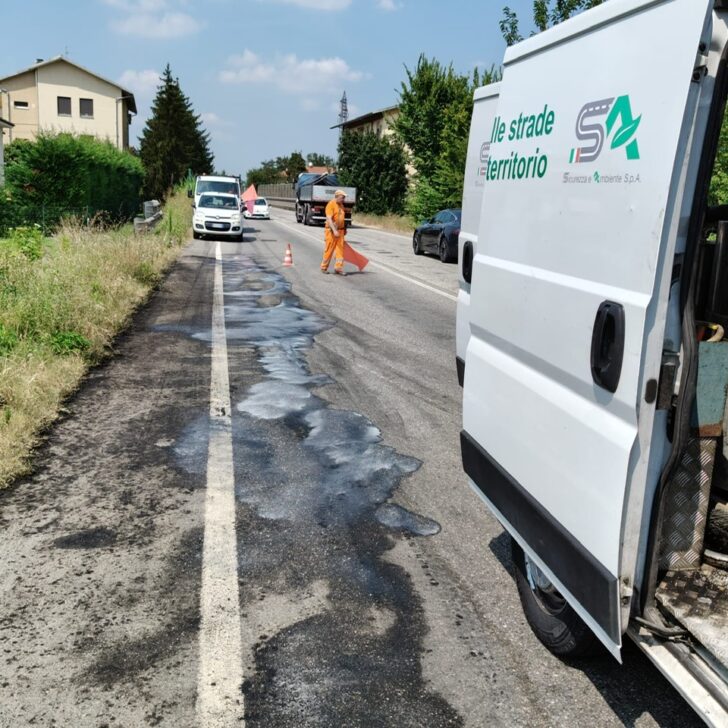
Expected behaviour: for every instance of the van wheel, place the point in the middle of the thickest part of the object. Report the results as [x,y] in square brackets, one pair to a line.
[548,614]
[416,244]
[196,235]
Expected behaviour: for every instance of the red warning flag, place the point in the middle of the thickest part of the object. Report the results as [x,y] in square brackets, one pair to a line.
[357,259]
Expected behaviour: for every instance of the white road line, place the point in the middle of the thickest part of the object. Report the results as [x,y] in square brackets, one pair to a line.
[377,264]
[219,692]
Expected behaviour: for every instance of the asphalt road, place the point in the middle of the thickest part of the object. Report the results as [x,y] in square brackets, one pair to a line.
[373,588]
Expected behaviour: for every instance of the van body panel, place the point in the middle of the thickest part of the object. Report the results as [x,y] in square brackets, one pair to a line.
[485,102]
[584,222]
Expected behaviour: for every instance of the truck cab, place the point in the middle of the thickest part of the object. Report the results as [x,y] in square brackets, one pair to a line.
[596,364]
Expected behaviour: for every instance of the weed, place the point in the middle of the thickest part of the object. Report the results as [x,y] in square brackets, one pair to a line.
[8,340]
[28,241]
[68,342]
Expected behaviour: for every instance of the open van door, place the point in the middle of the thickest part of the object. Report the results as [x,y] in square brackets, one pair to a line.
[587,198]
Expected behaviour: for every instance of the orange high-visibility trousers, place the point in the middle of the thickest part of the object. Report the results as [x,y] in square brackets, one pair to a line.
[334,246]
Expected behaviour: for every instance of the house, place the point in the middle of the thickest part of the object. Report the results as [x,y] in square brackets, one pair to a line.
[313,169]
[379,122]
[3,126]
[60,96]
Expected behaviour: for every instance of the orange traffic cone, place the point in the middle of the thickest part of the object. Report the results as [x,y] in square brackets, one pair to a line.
[288,257]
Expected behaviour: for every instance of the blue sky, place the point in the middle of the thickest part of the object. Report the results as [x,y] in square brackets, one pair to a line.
[266,75]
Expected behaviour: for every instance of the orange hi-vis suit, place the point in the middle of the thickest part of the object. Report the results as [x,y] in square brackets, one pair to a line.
[334,243]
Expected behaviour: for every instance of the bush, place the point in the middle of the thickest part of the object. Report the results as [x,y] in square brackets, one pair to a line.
[27,240]
[61,175]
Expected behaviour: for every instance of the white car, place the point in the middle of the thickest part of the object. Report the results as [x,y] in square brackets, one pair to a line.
[260,210]
[218,214]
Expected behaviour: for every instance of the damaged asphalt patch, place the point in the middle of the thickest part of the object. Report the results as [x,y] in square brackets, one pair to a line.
[334,632]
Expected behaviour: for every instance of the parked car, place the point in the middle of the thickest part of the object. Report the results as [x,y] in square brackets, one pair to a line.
[260,210]
[218,214]
[439,235]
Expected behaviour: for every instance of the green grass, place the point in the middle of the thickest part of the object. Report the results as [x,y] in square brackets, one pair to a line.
[62,302]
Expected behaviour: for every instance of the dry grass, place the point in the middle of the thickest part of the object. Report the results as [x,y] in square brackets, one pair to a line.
[60,313]
[390,223]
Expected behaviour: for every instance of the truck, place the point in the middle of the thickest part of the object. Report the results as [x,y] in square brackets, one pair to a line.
[594,417]
[314,192]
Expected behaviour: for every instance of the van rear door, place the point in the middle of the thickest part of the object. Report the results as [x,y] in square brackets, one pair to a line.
[578,227]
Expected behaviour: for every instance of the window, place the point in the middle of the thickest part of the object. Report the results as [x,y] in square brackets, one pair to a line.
[20,105]
[86,107]
[64,106]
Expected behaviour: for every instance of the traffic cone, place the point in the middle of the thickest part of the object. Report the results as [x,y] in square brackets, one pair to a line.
[288,257]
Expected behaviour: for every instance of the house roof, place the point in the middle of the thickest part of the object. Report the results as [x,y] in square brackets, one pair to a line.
[5,124]
[364,118]
[63,59]
[318,170]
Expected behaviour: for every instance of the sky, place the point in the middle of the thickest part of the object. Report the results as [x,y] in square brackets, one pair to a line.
[265,76]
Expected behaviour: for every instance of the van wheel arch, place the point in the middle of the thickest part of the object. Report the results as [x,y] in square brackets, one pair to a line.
[552,619]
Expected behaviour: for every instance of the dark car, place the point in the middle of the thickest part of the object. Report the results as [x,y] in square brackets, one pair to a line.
[439,235]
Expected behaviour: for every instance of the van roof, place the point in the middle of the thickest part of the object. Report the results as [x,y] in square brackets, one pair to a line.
[218,177]
[577,25]
[486,92]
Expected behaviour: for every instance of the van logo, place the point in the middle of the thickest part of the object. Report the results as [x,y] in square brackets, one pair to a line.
[620,125]
[484,152]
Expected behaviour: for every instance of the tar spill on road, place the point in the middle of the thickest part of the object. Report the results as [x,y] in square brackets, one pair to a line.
[335,630]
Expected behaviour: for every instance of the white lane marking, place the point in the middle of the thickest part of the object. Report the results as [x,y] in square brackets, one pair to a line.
[377,264]
[219,691]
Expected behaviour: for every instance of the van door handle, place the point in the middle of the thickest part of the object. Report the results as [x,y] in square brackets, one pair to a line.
[607,347]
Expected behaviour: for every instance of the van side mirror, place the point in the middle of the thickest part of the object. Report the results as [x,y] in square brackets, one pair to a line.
[190,193]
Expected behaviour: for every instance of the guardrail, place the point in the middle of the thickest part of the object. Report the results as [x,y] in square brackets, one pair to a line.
[283,202]
[152,215]
[279,190]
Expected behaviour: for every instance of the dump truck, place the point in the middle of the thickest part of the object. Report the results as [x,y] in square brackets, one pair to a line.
[314,192]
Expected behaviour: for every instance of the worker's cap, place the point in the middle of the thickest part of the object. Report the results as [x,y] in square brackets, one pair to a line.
[339,193]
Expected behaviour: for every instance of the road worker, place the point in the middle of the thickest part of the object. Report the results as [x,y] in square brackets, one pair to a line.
[334,233]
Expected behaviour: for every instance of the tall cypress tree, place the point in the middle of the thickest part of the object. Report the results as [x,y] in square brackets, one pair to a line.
[173,140]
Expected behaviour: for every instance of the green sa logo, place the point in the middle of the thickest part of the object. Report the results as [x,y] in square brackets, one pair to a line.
[620,125]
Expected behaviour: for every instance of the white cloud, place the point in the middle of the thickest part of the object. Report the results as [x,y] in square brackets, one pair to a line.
[210,119]
[160,19]
[290,74]
[316,4]
[142,83]
[387,5]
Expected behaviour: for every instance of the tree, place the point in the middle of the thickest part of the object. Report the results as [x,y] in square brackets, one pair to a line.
[428,91]
[296,164]
[314,159]
[436,105]
[377,167]
[173,140]
[545,14]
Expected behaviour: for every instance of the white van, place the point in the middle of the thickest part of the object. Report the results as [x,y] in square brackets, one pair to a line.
[485,101]
[596,371]
[216,184]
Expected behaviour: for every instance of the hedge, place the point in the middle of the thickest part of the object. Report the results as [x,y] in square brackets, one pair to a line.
[60,175]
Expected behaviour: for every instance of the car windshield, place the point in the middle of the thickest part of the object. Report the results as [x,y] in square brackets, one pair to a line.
[219,202]
[458,214]
[260,201]
[211,185]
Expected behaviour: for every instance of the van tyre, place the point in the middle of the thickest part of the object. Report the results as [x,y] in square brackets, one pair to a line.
[196,235]
[548,614]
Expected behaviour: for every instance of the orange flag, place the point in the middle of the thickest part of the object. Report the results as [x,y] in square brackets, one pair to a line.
[357,259]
